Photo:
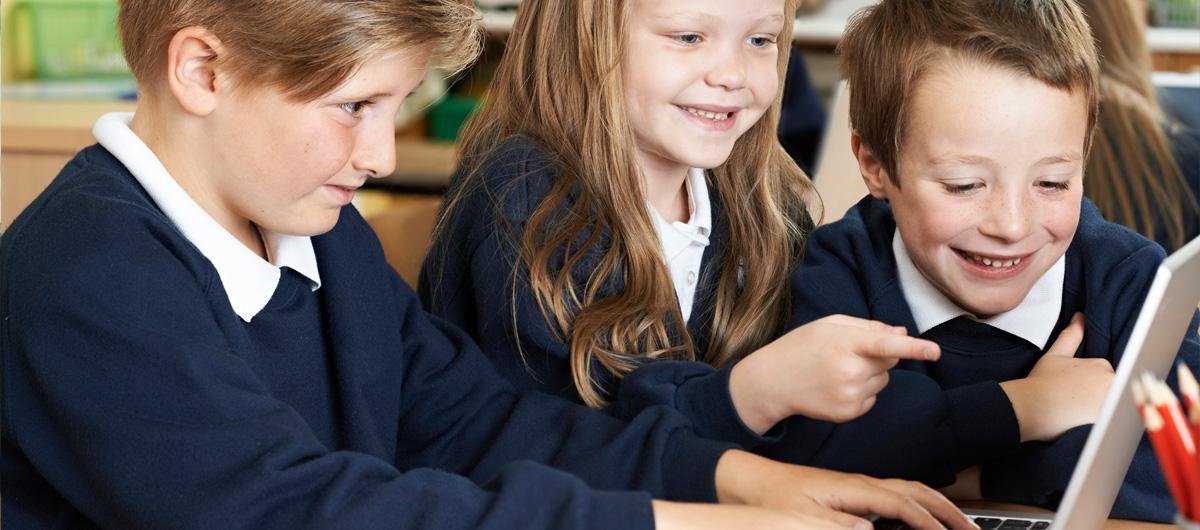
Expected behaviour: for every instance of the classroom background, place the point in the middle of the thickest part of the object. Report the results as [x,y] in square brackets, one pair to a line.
[62,68]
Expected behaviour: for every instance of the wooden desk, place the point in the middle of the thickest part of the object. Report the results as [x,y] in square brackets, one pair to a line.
[1113,524]
[38,137]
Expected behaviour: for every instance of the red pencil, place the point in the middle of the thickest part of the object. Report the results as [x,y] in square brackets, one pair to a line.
[1190,390]
[1180,436]
[1166,460]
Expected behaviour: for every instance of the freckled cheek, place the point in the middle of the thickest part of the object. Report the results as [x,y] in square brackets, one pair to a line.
[1057,215]
[323,158]
[1062,222]
[951,228]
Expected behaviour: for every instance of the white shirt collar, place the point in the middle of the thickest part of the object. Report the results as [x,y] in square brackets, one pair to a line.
[675,236]
[249,280]
[1033,319]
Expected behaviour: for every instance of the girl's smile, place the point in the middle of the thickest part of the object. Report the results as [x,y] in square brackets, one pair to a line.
[711,117]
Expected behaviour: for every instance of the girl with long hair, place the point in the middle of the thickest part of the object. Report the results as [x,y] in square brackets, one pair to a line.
[624,222]
[1144,170]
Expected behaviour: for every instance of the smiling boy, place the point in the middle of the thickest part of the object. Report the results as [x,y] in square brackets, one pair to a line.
[971,124]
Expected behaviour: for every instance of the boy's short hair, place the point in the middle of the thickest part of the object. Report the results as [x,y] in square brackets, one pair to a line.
[305,48]
[887,48]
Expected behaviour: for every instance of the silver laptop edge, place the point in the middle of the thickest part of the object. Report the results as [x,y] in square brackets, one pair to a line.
[1167,310]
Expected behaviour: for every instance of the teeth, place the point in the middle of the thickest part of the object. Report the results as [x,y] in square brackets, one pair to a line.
[719,116]
[997,264]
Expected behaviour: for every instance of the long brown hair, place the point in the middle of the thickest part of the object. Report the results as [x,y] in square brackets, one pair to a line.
[559,83]
[1135,178]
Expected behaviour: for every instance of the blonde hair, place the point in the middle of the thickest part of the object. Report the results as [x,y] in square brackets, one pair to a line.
[305,48]
[1135,178]
[888,47]
[559,83]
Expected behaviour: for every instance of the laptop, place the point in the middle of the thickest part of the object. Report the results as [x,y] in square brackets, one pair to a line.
[1153,344]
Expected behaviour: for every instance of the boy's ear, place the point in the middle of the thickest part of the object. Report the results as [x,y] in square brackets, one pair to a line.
[869,165]
[191,73]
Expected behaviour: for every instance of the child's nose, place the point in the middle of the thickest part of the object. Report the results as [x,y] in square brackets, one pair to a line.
[376,153]
[728,70]
[1007,219]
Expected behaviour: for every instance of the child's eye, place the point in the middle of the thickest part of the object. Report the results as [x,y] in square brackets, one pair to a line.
[1051,185]
[959,189]
[354,108]
[761,42]
[687,38]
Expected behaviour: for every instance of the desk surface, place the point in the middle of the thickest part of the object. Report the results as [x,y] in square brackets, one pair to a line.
[1113,524]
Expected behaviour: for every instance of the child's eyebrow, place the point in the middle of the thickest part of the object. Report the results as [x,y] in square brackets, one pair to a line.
[1060,158]
[961,160]
[376,95]
[691,16]
[976,160]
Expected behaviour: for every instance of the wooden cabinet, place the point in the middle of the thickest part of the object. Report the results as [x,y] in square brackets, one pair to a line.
[36,140]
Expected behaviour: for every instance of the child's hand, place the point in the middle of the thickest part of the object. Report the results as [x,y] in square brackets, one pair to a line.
[744,478]
[1062,391]
[828,369]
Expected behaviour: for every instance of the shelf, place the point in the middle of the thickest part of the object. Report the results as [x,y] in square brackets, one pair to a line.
[823,27]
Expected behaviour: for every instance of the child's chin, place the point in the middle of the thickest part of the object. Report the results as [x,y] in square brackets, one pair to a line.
[317,225]
[986,306]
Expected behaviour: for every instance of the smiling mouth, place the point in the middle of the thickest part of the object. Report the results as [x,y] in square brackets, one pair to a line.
[994,262]
[709,115]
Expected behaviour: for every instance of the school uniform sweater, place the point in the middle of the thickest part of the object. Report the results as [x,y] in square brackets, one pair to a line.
[850,268]
[135,397]
[468,278]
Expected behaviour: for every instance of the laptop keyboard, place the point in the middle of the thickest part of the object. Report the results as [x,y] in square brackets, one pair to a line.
[985,523]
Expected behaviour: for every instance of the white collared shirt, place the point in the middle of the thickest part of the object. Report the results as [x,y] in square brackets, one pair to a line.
[249,280]
[683,243]
[1033,319]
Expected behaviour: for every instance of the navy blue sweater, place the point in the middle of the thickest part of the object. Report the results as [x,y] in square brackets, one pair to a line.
[468,279]
[850,269]
[134,397]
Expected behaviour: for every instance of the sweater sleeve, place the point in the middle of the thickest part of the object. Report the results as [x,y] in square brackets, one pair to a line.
[491,424]
[841,266]
[121,389]
[1038,475]
[1040,472]
[473,279]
